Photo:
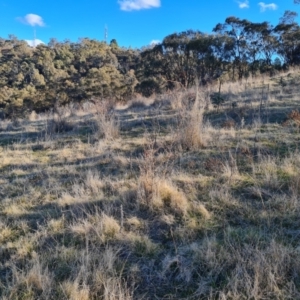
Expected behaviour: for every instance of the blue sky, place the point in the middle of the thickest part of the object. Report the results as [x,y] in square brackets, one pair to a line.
[132,23]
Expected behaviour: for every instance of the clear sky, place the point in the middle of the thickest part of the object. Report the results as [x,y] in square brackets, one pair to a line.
[132,23]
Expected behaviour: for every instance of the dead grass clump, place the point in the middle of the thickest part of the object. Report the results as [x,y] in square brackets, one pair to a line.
[267,173]
[3,126]
[143,245]
[106,272]
[93,183]
[56,226]
[200,209]
[230,168]
[213,164]
[74,291]
[68,199]
[171,197]
[39,278]
[35,282]
[134,222]
[14,209]
[148,168]
[294,187]
[110,226]
[97,227]
[6,233]
[155,191]
[82,228]
[114,288]
[33,116]
[293,119]
[97,275]
[224,198]
[180,99]
[189,134]
[146,194]
[228,124]
[254,272]
[107,125]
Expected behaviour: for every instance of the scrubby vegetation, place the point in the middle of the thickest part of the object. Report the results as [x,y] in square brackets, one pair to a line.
[60,73]
[165,198]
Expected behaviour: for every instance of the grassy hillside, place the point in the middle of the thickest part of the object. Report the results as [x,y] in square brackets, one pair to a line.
[165,198]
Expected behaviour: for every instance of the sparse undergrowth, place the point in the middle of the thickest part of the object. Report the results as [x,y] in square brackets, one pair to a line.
[141,203]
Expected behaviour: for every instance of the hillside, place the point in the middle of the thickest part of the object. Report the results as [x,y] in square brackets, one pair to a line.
[46,76]
[178,196]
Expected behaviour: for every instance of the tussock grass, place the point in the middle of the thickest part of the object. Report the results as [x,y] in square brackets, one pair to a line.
[171,197]
[107,125]
[165,198]
[189,134]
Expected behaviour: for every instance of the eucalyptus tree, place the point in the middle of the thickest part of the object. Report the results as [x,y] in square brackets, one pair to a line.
[288,37]
[151,72]
[204,62]
[261,45]
[235,29]
[179,63]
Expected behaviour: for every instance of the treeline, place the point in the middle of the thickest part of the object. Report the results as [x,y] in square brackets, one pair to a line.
[61,72]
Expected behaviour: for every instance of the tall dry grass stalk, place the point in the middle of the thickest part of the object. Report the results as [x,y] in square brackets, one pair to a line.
[107,124]
[189,135]
[155,189]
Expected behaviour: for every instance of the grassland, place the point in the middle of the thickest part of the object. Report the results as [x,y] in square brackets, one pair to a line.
[163,198]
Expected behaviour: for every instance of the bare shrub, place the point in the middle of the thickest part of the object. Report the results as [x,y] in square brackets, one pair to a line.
[58,123]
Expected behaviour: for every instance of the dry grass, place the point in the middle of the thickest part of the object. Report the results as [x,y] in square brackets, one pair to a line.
[171,197]
[165,198]
[189,132]
[107,125]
